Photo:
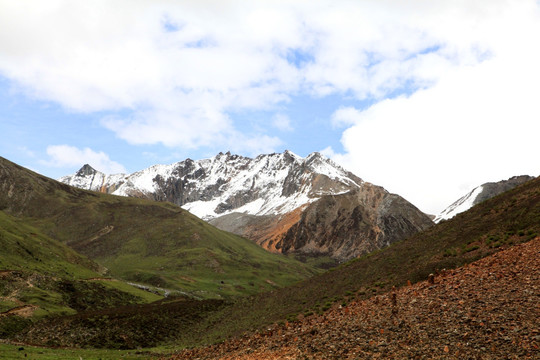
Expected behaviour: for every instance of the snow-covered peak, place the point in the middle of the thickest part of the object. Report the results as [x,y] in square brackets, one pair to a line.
[89,178]
[268,184]
[479,194]
[462,204]
[86,170]
[320,164]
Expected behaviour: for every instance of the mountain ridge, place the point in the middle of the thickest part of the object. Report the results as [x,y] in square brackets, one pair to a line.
[266,198]
[496,224]
[274,178]
[480,194]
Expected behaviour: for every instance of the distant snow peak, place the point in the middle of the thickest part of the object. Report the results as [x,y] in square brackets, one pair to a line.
[462,204]
[479,194]
[86,170]
[269,184]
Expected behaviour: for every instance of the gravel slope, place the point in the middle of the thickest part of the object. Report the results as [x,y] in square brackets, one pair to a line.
[488,309]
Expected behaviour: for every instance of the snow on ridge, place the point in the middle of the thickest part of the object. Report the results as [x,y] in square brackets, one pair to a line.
[144,180]
[462,204]
[321,164]
[93,181]
[203,209]
[267,174]
[226,179]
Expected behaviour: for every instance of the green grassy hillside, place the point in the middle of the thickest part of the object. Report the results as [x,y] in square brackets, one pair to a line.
[41,277]
[156,244]
[26,248]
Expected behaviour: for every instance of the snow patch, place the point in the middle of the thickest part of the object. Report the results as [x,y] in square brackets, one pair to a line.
[463,204]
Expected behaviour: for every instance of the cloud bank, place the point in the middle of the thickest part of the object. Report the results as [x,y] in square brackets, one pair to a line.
[478,122]
[174,71]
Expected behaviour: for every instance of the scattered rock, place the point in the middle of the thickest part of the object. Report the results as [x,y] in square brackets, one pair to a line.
[485,310]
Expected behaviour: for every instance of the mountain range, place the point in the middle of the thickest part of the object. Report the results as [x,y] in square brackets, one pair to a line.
[65,252]
[285,203]
[37,206]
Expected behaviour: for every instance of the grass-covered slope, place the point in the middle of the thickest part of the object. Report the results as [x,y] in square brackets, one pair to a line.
[42,273]
[25,248]
[41,277]
[146,242]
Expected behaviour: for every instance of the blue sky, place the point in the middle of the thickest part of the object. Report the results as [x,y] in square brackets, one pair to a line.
[35,125]
[428,99]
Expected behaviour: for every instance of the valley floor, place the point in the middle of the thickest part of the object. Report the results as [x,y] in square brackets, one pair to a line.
[488,309]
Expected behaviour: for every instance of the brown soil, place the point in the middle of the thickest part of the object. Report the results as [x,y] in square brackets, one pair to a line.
[24,311]
[270,235]
[5,273]
[486,310]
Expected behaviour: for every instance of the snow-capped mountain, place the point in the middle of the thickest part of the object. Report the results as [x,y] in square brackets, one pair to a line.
[273,199]
[479,194]
[267,185]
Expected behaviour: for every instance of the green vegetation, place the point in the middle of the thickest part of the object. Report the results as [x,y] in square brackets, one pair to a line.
[51,278]
[218,264]
[141,241]
[450,252]
[26,248]
[165,247]
[158,246]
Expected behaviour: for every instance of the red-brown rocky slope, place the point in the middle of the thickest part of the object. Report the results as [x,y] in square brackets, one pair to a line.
[341,226]
[488,309]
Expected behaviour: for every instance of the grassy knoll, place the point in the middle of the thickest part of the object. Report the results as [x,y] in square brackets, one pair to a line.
[42,278]
[63,250]
[46,274]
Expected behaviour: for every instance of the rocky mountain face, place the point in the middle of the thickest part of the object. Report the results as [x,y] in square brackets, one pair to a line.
[283,202]
[351,224]
[209,188]
[479,194]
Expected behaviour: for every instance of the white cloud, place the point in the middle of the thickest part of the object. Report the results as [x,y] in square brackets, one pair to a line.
[180,68]
[479,123]
[254,145]
[282,122]
[330,153]
[177,82]
[344,116]
[69,156]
